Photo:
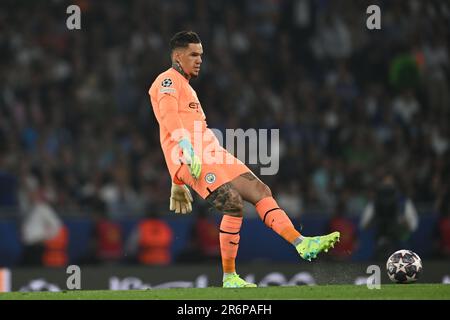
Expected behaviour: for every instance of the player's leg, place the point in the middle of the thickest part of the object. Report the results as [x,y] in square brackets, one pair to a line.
[253,190]
[227,200]
[256,192]
[213,185]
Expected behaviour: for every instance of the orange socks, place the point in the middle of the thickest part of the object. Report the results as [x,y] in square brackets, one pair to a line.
[229,241]
[272,216]
[276,219]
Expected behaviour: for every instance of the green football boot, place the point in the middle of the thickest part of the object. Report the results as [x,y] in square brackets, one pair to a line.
[310,247]
[234,281]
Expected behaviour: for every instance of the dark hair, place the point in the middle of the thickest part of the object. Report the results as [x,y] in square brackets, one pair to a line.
[183,38]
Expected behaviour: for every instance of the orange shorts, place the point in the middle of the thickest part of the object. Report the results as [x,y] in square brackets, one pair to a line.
[212,176]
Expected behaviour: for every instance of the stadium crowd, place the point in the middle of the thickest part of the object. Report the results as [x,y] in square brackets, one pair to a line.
[351,104]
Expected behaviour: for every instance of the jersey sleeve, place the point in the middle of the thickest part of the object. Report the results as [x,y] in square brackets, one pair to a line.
[170,118]
[167,86]
[166,93]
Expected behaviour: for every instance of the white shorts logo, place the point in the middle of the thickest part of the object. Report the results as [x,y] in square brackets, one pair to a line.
[210,178]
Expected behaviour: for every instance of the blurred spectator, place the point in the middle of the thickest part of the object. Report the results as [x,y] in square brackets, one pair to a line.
[348,229]
[290,199]
[404,71]
[150,242]
[203,244]
[121,199]
[406,106]
[392,215]
[107,239]
[442,234]
[56,249]
[42,230]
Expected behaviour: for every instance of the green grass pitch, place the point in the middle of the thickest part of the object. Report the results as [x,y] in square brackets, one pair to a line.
[319,292]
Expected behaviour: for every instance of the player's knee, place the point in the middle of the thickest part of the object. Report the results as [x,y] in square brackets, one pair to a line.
[227,200]
[234,204]
[263,191]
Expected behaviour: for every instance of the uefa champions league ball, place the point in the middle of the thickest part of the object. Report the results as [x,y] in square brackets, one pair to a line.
[404,266]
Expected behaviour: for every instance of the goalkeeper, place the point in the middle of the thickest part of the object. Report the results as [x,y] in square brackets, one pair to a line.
[224,184]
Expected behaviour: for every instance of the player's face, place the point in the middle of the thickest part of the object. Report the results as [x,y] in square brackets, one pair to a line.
[190,59]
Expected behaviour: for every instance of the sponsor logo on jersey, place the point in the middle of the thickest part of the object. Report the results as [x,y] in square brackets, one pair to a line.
[167,90]
[194,105]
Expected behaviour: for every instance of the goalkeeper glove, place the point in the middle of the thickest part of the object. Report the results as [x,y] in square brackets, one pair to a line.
[192,160]
[180,199]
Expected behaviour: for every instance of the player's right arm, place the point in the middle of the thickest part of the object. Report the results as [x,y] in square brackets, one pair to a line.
[167,98]
[168,108]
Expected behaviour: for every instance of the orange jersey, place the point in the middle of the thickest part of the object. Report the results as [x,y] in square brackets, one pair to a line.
[176,106]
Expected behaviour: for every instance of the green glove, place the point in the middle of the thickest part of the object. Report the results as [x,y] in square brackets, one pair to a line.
[192,160]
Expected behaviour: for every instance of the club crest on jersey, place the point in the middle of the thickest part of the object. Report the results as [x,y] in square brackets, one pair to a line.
[210,178]
[166,82]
